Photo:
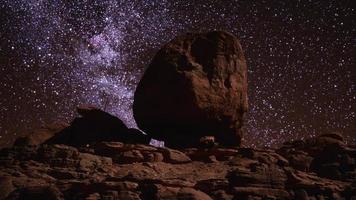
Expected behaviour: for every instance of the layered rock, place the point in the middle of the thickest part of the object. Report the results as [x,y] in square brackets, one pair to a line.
[195,86]
[326,155]
[115,170]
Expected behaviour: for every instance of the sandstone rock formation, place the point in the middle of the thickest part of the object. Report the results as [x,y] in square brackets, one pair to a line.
[94,125]
[39,136]
[115,170]
[193,94]
[195,86]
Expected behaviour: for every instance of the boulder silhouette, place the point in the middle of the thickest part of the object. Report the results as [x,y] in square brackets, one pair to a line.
[195,86]
[95,125]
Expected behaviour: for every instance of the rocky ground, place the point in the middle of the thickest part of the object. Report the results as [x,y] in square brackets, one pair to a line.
[319,168]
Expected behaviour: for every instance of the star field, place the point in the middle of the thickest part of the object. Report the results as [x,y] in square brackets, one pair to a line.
[57,54]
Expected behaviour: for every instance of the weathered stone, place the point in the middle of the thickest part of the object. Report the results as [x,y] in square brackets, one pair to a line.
[264,193]
[89,162]
[210,185]
[154,157]
[6,186]
[192,194]
[38,193]
[129,157]
[174,156]
[195,86]
[41,135]
[119,186]
[64,172]
[220,154]
[129,195]
[258,176]
[221,195]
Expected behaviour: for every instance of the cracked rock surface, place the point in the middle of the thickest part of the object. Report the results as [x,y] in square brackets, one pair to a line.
[318,168]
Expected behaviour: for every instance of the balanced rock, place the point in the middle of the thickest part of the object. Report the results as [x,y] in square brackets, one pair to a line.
[195,86]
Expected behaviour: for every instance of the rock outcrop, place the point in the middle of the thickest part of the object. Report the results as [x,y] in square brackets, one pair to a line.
[95,125]
[115,170]
[195,86]
[41,135]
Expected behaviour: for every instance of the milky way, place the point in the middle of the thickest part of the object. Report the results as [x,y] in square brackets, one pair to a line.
[55,55]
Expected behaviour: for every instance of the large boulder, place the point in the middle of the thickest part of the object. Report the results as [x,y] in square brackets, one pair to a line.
[195,86]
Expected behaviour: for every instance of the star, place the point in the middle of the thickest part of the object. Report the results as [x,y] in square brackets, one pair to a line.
[55,55]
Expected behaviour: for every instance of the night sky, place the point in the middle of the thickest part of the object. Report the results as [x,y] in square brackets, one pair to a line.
[57,54]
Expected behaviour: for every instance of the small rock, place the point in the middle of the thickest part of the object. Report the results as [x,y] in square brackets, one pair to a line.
[210,185]
[89,162]
[265,193]
[119,186]
[63,174]
[128,157]
[221,195]
[6,186]
[154,157]
[174,156]
[128,195]
[192,194]
[94,196]
[110,195]
[109,149]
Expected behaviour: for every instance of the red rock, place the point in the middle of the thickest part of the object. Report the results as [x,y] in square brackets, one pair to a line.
[38,193]
[65,172]
[90,162]
[6,186]
[119,186]
[174,156]
[176,182]
[195,86]
[110,194]
[220,154]
[221,195]
[128,195]
[41,135]
[211,185]
[154,157]
[264,193]
[129,157]
[258,175]
[94,196]
[163,192]
[192,194]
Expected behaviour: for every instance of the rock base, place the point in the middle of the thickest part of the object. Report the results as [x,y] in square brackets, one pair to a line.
[319,168]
